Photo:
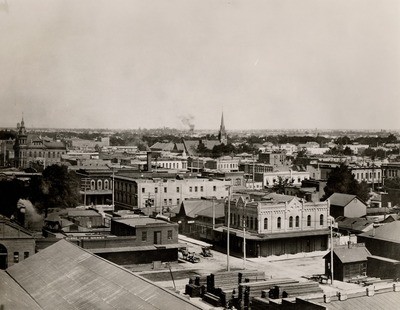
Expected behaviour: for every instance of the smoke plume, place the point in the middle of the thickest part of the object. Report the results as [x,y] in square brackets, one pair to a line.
[187,120]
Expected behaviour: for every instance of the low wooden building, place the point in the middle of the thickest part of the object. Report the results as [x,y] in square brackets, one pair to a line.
[348,262]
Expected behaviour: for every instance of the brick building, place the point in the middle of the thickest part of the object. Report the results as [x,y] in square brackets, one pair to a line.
[163,193]
[16,243]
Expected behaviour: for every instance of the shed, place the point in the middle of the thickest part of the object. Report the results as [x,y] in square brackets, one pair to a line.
[348,262]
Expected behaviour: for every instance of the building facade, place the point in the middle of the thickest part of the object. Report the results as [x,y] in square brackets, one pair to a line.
[30,149]
[276,227]
[162,193]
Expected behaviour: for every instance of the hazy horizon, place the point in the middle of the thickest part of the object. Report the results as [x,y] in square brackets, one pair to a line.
[268,65]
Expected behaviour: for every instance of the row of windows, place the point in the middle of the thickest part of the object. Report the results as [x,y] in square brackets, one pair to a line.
[391,173]
[99,185]
[196,189]
[368,175]
[45,154]
[228,165]
[16,256]
[236,219]
[172,165]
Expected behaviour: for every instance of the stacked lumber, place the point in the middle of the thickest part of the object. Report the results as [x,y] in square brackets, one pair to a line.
[223,284]
[259,303]
[212,299]
[254,289]
[196,286]
[296,289]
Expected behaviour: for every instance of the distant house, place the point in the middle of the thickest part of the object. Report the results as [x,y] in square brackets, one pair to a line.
[348,262]
[193,210]
[346,205]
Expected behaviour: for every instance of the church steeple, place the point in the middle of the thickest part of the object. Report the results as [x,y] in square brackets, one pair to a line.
[222,136]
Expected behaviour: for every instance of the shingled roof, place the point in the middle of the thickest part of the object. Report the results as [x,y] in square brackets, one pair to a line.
[65,276]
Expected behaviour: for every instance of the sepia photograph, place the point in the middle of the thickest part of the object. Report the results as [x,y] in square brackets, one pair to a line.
[199,154]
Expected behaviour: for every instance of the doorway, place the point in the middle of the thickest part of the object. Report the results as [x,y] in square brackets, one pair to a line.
[3,257]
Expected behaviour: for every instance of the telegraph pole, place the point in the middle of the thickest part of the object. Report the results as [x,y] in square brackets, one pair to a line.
[244,235]
[228,230]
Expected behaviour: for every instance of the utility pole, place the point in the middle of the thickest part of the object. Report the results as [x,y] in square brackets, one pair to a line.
[213,212]
[253,170]
[331,222]
[228,268]
[112,193]
[244,235]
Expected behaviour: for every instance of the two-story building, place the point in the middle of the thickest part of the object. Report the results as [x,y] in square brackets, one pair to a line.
[160,193]
[281,225]
[270,178]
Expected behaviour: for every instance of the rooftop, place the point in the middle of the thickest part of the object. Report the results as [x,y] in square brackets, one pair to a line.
[65,276]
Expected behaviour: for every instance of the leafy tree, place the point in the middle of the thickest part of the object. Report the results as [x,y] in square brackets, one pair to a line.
[341,180]
[10,192]
[280,185]
[222,150]
[56,188]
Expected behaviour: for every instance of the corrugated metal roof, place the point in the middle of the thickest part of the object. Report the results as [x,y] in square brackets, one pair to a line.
[383,301]
[65,276]
[389,232]
[12,296]
[350,255]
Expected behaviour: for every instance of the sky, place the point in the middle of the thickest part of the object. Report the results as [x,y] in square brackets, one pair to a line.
[267,64]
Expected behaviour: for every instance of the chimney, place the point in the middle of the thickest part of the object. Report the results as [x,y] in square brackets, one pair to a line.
[149,157]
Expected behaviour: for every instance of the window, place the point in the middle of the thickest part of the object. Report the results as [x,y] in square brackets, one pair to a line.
[165,189]
[170,201]
[92,184]
[321,219]
[278,222]
[26,255]
[291,221]
[155,190]
[255,224]
[177,201]
[165,201]
[105,184]
[99,185]
[169,234]
[177,189]
[144,235]
[266,223]
[251,223]
[201,188]
[16,257]
[297,221]
[195,189]
[190,189]
[308,220]
[143,189]
[214,188]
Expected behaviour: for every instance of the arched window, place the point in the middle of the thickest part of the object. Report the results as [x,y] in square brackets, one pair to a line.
[291,221]
[278,222]
[297,221]
[308,220]
[105,184]
[99,185]
[92,184]
[321,219]
[265,223]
